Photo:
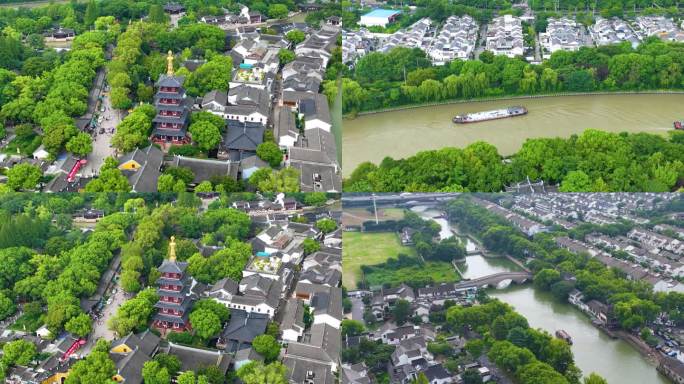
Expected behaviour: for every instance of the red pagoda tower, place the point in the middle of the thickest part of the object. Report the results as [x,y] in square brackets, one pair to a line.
[173,288]
[173,108]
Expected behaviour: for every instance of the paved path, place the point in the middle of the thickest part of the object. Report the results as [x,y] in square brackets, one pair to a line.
[357,309]
[100,329]
[102,149]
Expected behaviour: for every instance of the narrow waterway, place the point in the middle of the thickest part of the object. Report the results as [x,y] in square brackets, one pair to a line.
[615,360]
[336,113]
[403,133]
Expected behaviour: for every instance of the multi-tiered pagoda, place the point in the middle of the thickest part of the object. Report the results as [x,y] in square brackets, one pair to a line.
[173,288]
[173,108]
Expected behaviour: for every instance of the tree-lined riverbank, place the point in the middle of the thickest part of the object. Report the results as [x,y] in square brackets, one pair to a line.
[351,116]
[594,351]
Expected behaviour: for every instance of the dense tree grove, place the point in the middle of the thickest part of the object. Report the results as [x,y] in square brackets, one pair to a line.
[595,161]
[52,96]
[134,129]
[405,76]
[531,355]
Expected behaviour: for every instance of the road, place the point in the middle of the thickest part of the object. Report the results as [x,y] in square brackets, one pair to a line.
[357,309]
[100,329]
[108,120]
[537,48]
[481,44]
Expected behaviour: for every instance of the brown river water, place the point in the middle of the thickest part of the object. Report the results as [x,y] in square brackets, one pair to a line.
[402,133]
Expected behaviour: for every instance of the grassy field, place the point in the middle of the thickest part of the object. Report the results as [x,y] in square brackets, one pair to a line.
[368,249]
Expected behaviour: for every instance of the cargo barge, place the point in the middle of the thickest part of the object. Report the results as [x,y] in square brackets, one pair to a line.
[490,115]
[561,334]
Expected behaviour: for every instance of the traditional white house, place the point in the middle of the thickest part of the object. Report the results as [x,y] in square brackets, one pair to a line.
[316,113]
[292,325]
[223,291]
[327,307]
[215,102]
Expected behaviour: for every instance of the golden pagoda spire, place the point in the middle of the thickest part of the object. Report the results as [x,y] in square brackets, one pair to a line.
[172,249]
[169,64]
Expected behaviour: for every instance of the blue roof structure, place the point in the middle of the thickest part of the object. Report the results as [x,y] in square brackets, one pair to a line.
[382,13]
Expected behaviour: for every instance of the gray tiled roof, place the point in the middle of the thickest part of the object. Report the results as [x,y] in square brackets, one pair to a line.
[170,81]
[245,326]
[193,359]
[169,266]
[293,314]
[284,124]
[145,178]
[146,341]
[321,344]
[302,83]
[329,303]
[204,169]
[301,369]
[244,136]
[130,366]
[215,96]
[316,108]
[227,284]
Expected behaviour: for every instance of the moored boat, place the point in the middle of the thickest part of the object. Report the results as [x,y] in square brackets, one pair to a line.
[679,125]
[490,115]
[561,334]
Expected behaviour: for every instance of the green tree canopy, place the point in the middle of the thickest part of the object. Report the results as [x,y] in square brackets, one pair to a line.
[270,152]
[23,176]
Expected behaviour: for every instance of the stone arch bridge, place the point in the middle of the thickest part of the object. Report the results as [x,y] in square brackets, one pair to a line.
[497,280]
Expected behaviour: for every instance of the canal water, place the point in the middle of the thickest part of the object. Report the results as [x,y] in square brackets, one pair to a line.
[403,133]
[336,113]
[615,360]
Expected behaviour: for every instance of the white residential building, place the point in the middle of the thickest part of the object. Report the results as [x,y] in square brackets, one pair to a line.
[561,34]
[418,35]
[505,36]
[456,40]
[659,26]
[613,31]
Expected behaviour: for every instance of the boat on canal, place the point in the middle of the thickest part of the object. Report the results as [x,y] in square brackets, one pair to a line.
[679,125]
[561,334]
[495,114]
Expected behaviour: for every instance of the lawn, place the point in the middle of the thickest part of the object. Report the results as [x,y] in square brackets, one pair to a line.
[368,248]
